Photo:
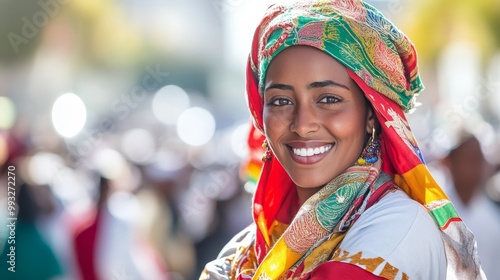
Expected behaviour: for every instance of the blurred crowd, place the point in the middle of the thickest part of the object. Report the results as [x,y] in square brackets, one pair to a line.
[124,126]
[123,140]
[105,216]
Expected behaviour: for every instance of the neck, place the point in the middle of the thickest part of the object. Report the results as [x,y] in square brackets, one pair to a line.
[306,193]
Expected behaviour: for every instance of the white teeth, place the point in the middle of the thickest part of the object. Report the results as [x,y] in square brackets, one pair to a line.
[311,151]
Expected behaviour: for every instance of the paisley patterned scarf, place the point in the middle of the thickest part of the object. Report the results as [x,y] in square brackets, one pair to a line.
[383,62]
[322,222]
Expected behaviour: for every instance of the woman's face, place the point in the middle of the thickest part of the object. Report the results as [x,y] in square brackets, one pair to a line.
[316,119]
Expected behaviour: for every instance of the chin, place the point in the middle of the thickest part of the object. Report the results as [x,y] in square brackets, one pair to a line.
[309,184]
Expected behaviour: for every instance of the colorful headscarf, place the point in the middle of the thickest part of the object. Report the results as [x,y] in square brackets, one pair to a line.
[383,62]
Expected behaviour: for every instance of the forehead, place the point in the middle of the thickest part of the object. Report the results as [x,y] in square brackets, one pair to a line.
[308,62]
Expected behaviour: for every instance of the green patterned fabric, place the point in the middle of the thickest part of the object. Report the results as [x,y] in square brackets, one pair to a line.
[370,45]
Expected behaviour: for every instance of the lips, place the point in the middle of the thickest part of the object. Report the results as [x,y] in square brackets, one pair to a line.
[309,152]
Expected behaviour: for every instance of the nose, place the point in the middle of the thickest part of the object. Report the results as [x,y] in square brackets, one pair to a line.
[304,120]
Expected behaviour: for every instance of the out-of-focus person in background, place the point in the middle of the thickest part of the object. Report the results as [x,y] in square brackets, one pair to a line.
[464,179]
[106,243]
[34,258]
[160,224]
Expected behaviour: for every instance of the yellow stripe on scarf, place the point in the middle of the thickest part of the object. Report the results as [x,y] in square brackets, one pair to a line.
[262,225]
[419,184]
[277,261]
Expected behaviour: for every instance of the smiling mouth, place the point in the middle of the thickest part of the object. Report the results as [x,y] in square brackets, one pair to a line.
[311,151]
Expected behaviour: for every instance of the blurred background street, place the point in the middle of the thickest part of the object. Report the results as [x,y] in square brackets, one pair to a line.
[125,123]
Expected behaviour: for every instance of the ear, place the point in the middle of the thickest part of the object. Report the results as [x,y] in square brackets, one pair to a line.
[371,120]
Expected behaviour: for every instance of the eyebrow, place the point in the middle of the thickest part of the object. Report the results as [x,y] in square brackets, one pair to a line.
[326,83]
[278,86]
[319,84]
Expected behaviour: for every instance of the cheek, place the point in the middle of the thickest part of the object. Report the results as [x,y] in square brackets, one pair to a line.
[268,121]
[275,128]
[270,128]
[350,128]
[274,123]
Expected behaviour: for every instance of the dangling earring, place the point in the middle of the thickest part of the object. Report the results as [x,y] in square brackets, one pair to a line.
[267,156]
[371,153]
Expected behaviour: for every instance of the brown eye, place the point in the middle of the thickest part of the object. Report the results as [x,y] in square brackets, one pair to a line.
[278,102]
[330,100]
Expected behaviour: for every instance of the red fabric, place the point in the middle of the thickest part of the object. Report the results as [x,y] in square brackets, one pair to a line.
[394,161]
[340,271]
[85,244]
[279,194]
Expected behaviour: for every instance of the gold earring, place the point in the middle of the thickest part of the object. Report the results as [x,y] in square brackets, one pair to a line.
[267,156]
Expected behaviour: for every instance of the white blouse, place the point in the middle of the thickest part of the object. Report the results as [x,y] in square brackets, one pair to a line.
[398,235]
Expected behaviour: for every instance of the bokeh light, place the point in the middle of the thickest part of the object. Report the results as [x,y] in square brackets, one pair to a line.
[196,126]
[68,115]
[170,160]
[124,205]
[4,150]
[7,113]
[168,104]
[44,168]
[110,163]
[138,145]
[239,140]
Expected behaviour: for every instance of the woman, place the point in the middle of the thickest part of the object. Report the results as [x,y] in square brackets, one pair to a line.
[343,192]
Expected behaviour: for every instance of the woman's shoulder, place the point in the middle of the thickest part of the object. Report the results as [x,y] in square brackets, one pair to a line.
[396,205]
[394,217]
[396,232]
